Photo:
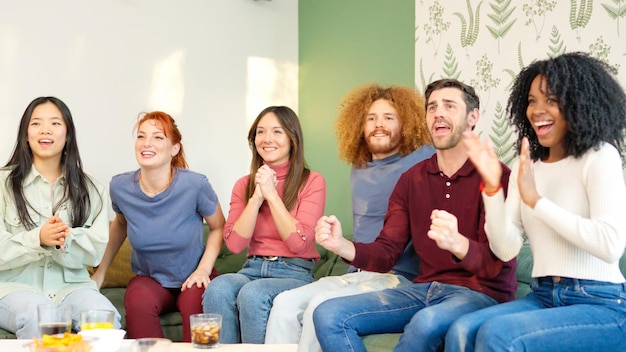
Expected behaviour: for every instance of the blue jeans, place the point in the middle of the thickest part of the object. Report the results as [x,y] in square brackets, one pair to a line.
[291,318]
[18,310]
[561,314]
[244,299]
[423,311]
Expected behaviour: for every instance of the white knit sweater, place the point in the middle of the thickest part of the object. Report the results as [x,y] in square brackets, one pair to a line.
[577,229]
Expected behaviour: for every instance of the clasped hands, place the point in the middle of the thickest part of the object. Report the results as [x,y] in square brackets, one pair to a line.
[53,232]
[266,182]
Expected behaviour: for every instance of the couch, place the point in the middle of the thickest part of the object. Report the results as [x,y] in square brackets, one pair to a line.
[330,264]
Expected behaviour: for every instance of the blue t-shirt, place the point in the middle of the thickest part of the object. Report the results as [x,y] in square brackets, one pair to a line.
[165,231]
[371,188]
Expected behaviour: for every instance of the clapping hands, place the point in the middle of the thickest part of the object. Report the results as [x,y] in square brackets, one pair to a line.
[484,157]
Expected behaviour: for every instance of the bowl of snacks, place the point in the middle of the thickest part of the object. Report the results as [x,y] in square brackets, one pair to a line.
[61,343]
[104,340]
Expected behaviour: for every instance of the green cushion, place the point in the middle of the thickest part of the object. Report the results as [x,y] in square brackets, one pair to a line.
[380,342]
[6,335]
[524,269]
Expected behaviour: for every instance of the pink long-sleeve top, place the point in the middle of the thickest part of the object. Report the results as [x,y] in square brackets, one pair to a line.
[265,240]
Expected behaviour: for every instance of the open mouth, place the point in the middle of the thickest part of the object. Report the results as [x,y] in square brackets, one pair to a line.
[440,129]
[379,133]
[543,127]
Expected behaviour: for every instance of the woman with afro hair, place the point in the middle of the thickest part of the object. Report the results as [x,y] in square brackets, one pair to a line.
[567,197]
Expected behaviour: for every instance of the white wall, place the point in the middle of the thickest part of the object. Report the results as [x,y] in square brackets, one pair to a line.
[212,64]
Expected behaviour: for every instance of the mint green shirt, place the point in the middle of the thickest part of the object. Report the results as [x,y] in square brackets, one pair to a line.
[25,264]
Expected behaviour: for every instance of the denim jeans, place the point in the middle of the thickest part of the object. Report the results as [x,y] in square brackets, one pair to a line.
[291,318]
[560,314]
[18,310]
[244,299]
[424,311]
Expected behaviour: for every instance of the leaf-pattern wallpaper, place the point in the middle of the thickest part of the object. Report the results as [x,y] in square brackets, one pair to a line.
[485,43]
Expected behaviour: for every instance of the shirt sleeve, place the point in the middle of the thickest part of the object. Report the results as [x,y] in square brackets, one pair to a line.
[234,242]
[207,198]
[308,209]
[18,248]
[480,259]
[503,219]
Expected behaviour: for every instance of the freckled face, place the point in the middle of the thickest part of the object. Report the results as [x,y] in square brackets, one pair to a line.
[271,140]
[544,114]
[383,129]
[47,132]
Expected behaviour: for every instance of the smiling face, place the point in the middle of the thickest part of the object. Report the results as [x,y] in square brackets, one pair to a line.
[47,132]
[271,140]
[447,117]
[382,129]
[544,114]
[152,147]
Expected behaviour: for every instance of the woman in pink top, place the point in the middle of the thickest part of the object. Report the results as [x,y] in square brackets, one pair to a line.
[273,212]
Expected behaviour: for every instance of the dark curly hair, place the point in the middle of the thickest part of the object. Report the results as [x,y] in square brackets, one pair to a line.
[590,99]
[349,125]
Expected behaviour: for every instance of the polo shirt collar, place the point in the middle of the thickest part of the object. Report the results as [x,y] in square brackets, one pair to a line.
[433,168]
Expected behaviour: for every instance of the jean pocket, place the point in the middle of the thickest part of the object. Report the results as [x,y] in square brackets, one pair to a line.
[604,294]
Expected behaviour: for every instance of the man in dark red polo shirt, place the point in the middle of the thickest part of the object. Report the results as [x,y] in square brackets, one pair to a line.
[437,203]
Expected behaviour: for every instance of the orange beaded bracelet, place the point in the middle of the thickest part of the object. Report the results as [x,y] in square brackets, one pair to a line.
[489,193]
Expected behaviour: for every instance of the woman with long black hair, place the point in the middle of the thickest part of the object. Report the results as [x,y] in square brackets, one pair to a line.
[54,222]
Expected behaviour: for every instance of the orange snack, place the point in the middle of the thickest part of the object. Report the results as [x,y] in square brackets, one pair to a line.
[60,343]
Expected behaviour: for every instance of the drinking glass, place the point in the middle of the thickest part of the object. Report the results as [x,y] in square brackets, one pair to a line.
[205,330]
[96,319]
[54,319]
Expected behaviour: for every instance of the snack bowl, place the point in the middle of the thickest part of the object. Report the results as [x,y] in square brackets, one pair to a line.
[104,340]
[62,343]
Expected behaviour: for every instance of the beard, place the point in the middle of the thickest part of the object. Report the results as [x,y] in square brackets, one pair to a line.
[378,146]
[451,140]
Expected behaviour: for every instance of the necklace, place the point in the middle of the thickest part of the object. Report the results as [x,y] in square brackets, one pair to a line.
[148,191]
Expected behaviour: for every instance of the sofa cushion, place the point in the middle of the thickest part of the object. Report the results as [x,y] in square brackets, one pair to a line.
[524,270]
[119,272]
[380,342]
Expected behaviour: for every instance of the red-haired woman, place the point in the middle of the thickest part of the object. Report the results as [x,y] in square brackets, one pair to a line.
[161,207]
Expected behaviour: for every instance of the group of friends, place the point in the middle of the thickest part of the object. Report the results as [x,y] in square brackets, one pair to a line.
[438,221]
